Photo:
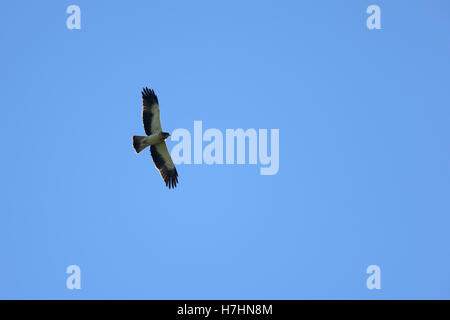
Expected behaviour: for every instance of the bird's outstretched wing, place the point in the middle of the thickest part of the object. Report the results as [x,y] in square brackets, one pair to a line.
[150,112]
[163,161]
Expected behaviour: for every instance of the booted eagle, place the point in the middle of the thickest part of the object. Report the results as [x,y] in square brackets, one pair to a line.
[155,139]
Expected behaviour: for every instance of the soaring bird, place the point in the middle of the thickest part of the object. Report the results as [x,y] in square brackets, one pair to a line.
[155,139]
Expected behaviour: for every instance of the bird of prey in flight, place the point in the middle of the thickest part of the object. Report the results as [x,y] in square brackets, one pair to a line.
[155,139]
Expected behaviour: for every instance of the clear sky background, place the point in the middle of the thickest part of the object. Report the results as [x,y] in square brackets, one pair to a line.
[364,150]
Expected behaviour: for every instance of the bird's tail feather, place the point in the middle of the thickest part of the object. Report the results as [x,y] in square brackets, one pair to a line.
[139,144]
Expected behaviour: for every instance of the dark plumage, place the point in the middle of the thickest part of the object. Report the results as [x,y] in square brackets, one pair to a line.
[170,176]
[149,99]
[155,139]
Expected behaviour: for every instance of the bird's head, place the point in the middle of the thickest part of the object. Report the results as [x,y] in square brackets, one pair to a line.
[165,135]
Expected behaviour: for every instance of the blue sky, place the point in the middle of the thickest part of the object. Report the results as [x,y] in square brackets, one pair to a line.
[364,150]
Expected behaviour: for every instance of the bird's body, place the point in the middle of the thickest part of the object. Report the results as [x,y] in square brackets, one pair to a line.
[155,139]
[141,142]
